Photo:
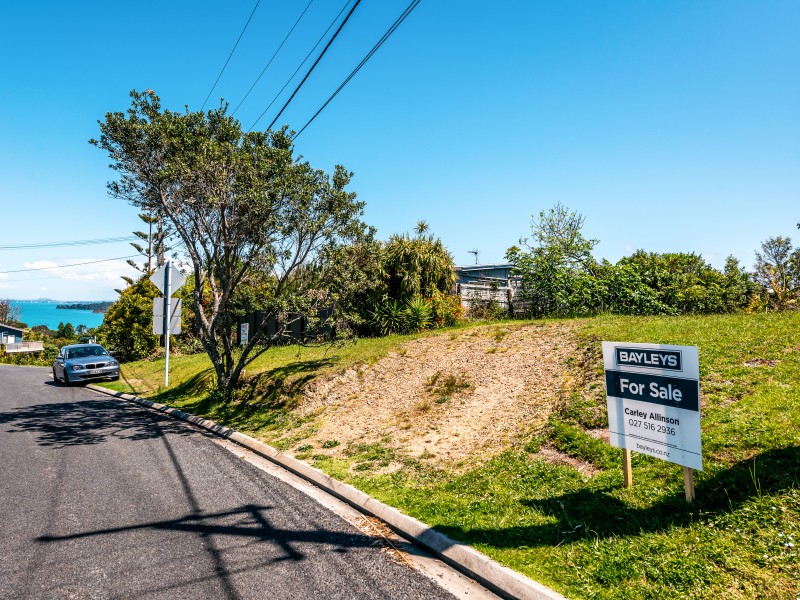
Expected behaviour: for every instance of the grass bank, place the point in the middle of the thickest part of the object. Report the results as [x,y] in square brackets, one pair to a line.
[581,532]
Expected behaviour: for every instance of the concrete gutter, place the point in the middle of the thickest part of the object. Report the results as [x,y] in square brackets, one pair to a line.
[501,580]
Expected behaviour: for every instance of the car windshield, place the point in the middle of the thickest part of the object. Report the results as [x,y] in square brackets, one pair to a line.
[85,351]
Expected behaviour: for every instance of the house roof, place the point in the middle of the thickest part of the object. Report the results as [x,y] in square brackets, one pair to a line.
[485,267]
[20,329]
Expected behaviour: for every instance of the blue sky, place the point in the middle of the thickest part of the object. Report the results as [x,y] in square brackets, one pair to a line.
[672,126]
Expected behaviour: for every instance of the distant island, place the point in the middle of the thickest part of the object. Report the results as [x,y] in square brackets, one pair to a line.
[95,307]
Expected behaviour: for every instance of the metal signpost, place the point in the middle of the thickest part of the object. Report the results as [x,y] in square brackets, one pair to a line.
[167,278]
[653,398]
[176,305]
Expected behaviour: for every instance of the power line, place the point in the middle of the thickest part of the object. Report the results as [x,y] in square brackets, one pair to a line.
[375,48]
[316,62]
[230,55]
[26,279]
[111,240]
[92,262]
[272,57]
[300,66]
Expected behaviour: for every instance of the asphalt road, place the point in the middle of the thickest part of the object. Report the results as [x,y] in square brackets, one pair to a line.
[102,499]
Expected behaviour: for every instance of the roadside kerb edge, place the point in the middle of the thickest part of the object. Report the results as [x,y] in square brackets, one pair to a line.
[501,580]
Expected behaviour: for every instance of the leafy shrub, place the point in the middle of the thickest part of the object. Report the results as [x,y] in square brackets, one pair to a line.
[446,310]
[394,277]
[128,323]
[417,266]
[418,314]
[561,278]
[390,317]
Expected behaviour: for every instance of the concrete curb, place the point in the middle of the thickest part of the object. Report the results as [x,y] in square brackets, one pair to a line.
[503,581]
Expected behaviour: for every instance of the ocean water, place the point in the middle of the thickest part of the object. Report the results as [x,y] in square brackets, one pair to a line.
[46,313]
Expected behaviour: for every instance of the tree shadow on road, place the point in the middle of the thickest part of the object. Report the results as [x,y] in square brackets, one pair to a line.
[247,522]
[86,422]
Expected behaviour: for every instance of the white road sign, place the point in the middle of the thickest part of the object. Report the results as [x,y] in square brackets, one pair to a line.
[244,333]
[174,319]
[653,397]
[176,278]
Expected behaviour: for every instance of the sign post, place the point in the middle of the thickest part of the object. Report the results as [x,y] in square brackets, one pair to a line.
[167,278]
[653,399]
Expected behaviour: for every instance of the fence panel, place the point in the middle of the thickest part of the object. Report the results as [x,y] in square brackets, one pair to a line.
[506,296]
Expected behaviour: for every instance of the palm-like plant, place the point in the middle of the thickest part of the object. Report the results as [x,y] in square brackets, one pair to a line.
[390,317]
[419,315]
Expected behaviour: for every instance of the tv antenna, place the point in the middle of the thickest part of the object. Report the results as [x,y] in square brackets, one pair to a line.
[476,252]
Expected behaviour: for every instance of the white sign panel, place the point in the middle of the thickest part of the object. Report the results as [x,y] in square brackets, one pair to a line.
[653,397]
[244,330]
[176,278]
[174,319]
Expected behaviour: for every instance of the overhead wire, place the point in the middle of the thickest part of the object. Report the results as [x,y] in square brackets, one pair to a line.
[91,262]
[369,55]
[59,277]
[230,55]
[300,66]
[111,240]
[274,54]
[316,62]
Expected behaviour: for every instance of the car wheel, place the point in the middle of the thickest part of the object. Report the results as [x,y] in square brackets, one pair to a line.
[55,379]
[115,378]
[66,378]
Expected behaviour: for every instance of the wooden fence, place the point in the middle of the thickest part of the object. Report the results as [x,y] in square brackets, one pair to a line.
[296,327]
[503,292]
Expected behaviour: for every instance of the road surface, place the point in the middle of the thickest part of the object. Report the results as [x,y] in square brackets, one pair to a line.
[103,499]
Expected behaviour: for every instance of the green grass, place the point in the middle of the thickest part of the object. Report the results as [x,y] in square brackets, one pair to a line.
[271,384]
[587,536]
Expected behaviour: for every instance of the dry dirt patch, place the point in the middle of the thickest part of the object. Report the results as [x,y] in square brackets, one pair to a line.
[505,381]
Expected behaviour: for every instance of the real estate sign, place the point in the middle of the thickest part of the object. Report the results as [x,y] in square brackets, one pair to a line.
[653,397]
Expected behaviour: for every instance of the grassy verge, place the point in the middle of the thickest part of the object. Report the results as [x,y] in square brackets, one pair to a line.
[586,536]
[271,387]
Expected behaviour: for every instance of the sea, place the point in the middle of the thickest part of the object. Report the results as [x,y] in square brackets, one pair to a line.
[46,313]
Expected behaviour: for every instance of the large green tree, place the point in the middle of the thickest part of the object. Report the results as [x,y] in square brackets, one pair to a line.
[777,270]
[127,327]
[556,264]
[244,211]
[417,266]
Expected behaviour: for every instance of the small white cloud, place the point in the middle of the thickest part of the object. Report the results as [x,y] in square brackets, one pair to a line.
[96,270]
[40,264]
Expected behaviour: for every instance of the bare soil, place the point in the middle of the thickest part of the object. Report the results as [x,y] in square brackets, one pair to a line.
[450,399]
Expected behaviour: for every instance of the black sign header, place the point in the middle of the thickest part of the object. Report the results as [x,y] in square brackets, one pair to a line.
[666,391]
